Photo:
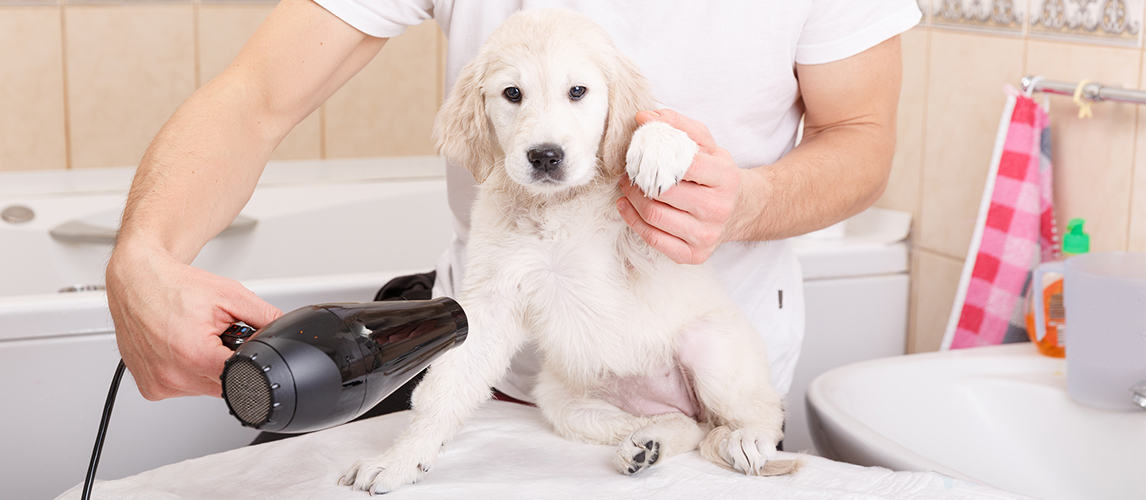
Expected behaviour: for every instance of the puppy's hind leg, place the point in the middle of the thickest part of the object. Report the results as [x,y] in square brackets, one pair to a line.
[642,440]
[730,373]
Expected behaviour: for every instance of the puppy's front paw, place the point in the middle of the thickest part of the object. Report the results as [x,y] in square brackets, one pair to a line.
[636,454]
[658,157]
[386,472]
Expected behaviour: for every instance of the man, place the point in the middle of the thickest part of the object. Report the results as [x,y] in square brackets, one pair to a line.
[738,76]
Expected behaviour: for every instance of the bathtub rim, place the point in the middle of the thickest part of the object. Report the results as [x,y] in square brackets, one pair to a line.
[25,183]
[75,314]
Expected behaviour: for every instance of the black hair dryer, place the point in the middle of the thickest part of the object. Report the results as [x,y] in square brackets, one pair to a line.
[324,365]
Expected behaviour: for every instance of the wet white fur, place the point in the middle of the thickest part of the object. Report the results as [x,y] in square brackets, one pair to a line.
[552,261]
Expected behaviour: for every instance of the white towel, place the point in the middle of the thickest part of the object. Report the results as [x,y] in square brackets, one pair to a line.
[507,451]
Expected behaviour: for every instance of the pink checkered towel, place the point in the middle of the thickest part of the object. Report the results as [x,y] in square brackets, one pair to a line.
[1015,231]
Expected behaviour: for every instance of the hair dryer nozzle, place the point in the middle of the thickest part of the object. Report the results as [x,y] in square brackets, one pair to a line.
[324,365]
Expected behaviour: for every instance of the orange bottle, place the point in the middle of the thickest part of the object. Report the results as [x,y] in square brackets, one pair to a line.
[1046,316]
[1051,344]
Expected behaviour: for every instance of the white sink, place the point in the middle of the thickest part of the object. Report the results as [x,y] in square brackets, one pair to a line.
[995,415]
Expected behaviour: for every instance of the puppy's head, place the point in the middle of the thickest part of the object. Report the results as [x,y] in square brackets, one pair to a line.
[549,99]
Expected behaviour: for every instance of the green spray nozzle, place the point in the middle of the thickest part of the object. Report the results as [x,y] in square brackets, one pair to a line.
[1075,241]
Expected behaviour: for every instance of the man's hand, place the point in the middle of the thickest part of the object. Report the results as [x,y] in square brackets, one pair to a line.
[689,220]
[838,170]
[168,317]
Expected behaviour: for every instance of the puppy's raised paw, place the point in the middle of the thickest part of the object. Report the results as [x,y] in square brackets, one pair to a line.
[658,157]
[633,457]
[384,473]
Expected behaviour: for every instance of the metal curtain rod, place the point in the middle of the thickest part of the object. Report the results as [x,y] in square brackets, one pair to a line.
[1093,91]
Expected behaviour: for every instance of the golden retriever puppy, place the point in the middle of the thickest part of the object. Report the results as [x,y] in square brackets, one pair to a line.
[637,351]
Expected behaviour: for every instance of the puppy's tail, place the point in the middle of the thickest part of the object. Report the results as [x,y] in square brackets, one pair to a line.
[710,450]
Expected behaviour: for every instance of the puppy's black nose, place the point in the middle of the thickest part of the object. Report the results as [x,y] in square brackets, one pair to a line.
[546,157]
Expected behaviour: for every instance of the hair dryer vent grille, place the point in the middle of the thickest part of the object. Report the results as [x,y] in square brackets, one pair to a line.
[248,391]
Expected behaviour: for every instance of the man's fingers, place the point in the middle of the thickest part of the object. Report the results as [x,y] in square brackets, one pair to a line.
[165,383]
[686,196]
[687,228]
[696,131]
[675,248]
[249,308]
[210,386]
[195,372]
[707,170]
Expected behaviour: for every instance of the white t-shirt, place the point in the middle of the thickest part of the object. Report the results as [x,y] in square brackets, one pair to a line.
[728,64]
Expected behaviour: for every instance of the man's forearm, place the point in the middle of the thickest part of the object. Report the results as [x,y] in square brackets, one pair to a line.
[841,166]
[831,176]
[203,165]
[198,173]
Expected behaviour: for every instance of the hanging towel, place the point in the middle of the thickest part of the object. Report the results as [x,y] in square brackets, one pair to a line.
[1015,231]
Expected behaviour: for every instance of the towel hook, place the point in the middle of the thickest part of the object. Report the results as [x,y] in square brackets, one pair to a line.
[1083,105]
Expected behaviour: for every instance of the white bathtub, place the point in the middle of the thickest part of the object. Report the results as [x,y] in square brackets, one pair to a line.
[325,231]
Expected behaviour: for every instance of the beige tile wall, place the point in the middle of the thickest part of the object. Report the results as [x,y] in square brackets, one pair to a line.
[1100,163]
[388,108]
[1138,194]
[964,99]
[127,68]
[903,186]
[32,115]
[88,84]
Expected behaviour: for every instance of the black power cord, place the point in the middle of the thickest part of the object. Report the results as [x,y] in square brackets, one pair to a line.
[235,335]
[102,430]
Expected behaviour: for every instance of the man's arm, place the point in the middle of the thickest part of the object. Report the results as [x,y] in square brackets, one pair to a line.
[839,169]
[196,176]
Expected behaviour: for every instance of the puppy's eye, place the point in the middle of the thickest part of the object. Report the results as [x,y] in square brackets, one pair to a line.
[577,92]
[513,94]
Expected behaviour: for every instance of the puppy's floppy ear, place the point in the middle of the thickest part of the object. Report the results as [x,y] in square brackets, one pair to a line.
[628,93]
[461,129]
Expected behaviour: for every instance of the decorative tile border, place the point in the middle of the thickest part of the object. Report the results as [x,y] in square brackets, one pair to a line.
[925,8]
[122,3]
[237,2]
[996,16]
[29,3]
[1113,22]
[56,3]
[1105,22]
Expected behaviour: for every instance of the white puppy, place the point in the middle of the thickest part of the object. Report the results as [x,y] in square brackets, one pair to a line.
[638,351]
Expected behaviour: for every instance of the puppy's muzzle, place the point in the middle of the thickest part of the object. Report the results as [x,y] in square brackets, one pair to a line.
[546,159]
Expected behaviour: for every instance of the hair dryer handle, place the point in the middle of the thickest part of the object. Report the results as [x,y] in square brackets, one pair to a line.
[236,335]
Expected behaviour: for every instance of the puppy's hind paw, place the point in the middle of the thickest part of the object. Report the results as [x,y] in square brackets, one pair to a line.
[658,157]
[746,450]
[633,457]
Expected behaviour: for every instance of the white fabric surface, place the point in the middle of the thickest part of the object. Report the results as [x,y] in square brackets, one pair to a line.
[507,451]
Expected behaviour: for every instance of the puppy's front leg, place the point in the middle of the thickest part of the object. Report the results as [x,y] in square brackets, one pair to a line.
[658,157]
[456,384]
